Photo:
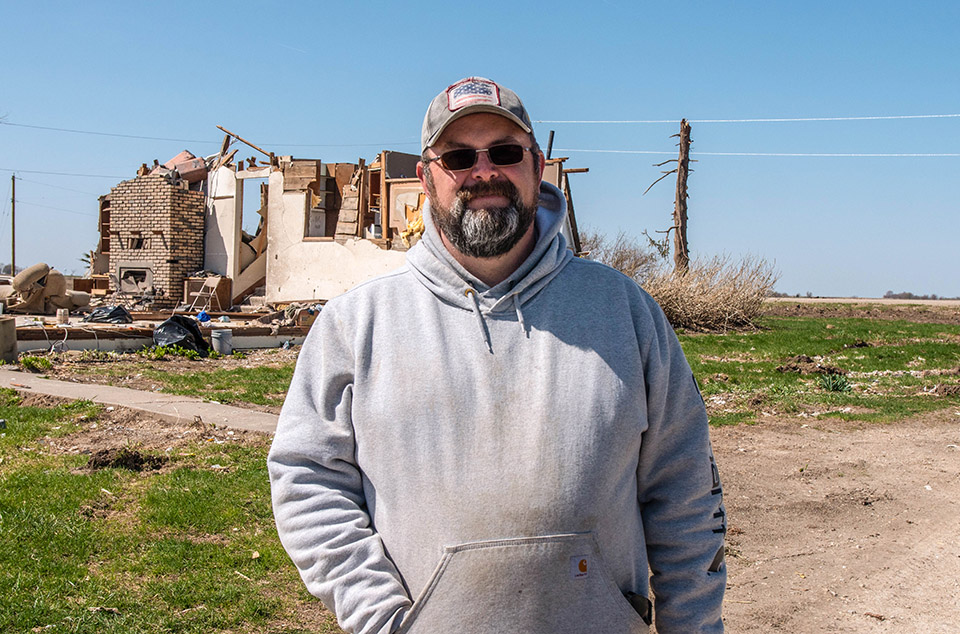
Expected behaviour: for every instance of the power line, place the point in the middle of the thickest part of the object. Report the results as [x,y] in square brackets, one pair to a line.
[27,180]
[796,154]
[155,138]
[771,120]
[380,145]
[835,155]
[69,211]
[113,134]
[7,169]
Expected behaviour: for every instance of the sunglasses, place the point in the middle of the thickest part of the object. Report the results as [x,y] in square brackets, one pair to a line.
[466,158]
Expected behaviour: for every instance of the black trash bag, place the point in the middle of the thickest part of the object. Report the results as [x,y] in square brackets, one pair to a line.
[109,315]
[181,331]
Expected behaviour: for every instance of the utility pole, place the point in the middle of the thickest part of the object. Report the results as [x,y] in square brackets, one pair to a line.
[681,254]
[13,224]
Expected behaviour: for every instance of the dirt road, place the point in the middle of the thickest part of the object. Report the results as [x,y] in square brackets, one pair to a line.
[842,528]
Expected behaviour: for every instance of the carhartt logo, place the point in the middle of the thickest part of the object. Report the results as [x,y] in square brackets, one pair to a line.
[579,566]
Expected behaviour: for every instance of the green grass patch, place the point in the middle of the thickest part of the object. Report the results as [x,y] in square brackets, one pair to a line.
[888,369]
[188,548]
[260,385]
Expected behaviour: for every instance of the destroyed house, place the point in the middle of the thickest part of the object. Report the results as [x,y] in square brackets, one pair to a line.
[176,229]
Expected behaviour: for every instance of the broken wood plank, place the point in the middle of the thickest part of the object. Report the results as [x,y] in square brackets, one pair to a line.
[223,160]
[348,215]
[347,228]
[240,138]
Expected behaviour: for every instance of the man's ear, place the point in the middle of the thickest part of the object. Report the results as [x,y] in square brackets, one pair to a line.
[542,161]
[422,177]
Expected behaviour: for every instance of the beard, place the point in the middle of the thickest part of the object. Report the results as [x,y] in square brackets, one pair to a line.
[485,232]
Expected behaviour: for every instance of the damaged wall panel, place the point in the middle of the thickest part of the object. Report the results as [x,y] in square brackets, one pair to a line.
[223,215]
[299,269]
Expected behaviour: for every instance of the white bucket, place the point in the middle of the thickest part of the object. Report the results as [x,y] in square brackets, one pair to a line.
[63,316]
[222,341]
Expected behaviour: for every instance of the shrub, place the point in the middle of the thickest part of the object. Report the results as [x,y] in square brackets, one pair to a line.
[713,295]
[623,253]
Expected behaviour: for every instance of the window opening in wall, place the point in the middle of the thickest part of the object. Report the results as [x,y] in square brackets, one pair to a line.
[253,223]
[137,242]
[318,185]
[254,200]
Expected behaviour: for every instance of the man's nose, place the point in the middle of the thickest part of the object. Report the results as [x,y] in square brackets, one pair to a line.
[484,169]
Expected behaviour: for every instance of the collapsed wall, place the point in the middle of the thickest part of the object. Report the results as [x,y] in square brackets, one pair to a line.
[156,237]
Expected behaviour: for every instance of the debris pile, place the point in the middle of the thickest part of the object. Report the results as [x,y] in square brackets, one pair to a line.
[38,289]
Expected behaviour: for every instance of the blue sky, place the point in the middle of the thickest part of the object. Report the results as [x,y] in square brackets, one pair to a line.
[342,80]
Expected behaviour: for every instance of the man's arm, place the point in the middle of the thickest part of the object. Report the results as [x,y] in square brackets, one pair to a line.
[317,490]
[679,490]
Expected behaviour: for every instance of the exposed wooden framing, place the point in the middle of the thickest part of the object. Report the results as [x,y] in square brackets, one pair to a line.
[384,201]
[362,187]
[269,155]
[571,214]
[224,159]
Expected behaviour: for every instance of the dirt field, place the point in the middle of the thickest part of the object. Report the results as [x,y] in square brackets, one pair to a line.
[939,312]
[839,528]
[833,527]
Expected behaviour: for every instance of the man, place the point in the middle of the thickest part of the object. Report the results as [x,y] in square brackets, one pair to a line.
[498,437]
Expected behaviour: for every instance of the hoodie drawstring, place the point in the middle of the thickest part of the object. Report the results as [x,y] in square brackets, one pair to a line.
[476,311]
[516,306]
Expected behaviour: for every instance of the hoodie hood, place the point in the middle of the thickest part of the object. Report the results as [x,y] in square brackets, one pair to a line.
[446,278]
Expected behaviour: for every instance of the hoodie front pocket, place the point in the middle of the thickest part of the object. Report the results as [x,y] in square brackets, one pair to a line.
[555,584]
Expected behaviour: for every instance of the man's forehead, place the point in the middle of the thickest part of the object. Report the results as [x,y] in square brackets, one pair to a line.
[481,128]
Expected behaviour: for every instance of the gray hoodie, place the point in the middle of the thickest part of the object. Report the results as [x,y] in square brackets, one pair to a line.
[522,458]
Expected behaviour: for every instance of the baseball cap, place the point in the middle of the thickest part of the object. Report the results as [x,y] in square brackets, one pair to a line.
[468,96]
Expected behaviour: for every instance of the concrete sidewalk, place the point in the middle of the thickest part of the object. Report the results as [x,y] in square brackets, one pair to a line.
[176,409]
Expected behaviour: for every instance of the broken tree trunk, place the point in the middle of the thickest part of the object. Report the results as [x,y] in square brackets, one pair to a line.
[681,254]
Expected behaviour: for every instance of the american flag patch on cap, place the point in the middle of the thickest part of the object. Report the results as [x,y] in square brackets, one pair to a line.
[472,91]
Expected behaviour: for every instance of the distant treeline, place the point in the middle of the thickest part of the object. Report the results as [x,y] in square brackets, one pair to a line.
[905,295]
[887,295]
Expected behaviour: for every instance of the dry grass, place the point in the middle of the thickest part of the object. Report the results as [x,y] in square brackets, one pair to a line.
[714,295]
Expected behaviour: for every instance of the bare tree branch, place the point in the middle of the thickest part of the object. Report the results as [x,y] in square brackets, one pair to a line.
[665,174]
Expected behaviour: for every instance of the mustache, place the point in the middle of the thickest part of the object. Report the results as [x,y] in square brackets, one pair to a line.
[488,188]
